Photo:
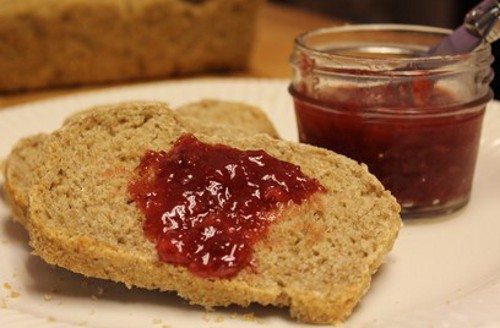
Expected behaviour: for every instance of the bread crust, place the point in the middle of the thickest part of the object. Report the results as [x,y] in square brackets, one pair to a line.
[17,171]
[318,257]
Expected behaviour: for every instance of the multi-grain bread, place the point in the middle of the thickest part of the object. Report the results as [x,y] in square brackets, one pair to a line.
[52,42]
[18,170]
[233,114]
[215,117]
[318,258]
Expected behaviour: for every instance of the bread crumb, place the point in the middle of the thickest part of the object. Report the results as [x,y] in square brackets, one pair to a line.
[6,285]
[219,318]
[249,317]
[159,322]
[3,304]
[14,294]
[47,297]
[100,291]
[94,298]
[206,317]
[51,319]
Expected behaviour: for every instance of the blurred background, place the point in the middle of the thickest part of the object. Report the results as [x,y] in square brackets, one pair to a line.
[442,13]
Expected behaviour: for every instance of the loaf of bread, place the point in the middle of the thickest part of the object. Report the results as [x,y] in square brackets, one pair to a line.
[207,116]
[317,259]
[53,43]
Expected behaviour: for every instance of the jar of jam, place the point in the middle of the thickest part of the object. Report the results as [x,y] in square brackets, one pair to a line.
[370,93]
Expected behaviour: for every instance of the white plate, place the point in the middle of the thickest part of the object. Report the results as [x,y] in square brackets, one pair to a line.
[442,273]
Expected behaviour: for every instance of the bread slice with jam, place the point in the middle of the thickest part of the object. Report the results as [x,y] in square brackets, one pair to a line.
[317,256]
[208,116]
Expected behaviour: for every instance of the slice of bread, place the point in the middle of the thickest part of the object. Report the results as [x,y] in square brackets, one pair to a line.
[206,116]
[318,258]
[233,114]
[18,168]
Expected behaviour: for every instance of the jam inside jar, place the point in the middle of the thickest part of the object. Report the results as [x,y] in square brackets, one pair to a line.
[367,92]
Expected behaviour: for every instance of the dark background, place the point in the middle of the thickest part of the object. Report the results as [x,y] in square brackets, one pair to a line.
[442,13]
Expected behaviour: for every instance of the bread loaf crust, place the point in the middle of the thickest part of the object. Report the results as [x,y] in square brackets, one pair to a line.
[53,43]
[317,259]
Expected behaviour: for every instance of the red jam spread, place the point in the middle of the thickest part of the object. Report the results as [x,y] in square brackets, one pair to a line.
[424,160]
[207,205]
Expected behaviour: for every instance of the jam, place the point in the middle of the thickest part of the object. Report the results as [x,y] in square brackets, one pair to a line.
[425,159]
[371,92]
[207,205]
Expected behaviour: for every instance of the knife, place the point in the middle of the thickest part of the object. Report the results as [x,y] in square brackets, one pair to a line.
[481,24]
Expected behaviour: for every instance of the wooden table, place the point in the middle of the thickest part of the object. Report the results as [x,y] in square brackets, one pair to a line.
[277,27]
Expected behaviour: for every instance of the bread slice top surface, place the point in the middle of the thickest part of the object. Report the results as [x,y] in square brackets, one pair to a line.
[318,258]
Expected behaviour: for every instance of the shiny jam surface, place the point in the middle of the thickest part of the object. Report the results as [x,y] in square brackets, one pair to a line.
[206,205]
[425,161]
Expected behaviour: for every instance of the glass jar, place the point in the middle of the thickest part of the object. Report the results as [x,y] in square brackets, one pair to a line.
[367,91]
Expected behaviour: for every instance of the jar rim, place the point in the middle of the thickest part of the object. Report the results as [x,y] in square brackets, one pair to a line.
[411,61]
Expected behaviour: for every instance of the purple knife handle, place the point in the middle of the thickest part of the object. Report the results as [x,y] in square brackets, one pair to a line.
[479,22]
[482,18]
